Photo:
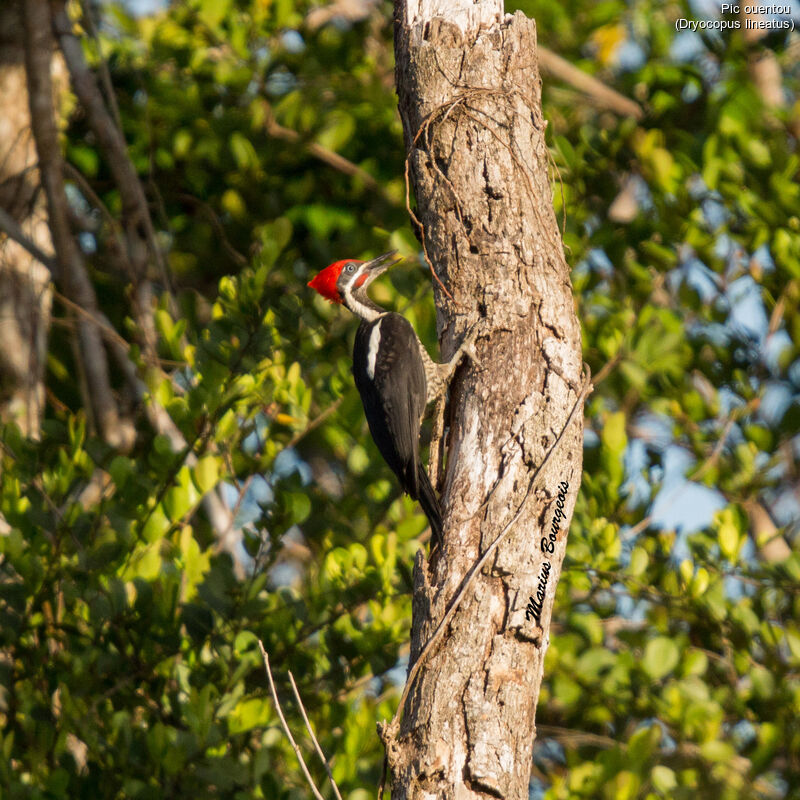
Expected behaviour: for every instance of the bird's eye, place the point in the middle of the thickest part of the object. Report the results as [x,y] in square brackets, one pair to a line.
[350,268]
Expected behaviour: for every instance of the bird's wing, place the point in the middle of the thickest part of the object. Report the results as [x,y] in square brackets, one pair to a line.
[394,394]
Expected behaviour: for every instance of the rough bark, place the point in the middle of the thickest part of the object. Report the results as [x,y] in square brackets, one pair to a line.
[25,296]
[470,103]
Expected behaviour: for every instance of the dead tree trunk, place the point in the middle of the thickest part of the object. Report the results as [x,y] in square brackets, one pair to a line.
[469,91]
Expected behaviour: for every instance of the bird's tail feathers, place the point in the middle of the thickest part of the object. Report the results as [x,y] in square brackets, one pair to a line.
[430,504]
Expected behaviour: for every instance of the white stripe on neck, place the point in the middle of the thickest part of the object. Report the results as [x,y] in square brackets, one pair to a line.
[364,311]
[372,350]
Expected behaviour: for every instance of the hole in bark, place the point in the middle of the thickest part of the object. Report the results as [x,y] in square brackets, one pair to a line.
[473,249]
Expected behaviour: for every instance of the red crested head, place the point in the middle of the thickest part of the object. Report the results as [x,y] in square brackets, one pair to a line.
[325,281]
[346,281]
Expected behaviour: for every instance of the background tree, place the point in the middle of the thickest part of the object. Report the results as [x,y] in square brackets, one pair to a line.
[267,143]
[24,282]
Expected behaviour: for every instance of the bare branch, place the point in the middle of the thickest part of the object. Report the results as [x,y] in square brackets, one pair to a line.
[218,227]
[289,736]
[603,95]
[9,226]
[771,544]
[329,157]
[384,775]
[314,738]
[105,75]
[138,225]
[89,193]
[135,212]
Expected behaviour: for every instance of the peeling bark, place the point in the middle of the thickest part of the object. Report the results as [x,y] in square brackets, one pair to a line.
[471,108]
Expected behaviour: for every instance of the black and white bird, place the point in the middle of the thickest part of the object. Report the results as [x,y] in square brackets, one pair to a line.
[394,374]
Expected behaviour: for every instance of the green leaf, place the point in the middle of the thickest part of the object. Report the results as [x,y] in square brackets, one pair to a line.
[717,751]
[206,473]
[639,561]
[156,526]
[661,656]
[243,151]
[248,714]
[793,640]
[728,535]
[614,436]
[663,779]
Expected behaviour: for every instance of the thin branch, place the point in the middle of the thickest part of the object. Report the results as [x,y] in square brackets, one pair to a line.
[102,322]
[573,738]
[105,75]
[89,193]
[384,775]
[315,423]
[9,226]
[476,568]
[243,489]
[603,95]
[771,544]
[329,157]
[712,460]
[776,316]
[218,227]
[138,224]
[609,366]
[288,732]
[313,738]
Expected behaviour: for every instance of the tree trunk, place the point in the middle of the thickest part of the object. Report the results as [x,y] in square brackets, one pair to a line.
[25,296]
[470,100]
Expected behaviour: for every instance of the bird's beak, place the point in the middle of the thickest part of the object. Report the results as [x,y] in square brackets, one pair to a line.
[380,264]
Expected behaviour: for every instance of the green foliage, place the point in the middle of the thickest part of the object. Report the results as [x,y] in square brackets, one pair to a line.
[129,660]
[148,680]
[676,652]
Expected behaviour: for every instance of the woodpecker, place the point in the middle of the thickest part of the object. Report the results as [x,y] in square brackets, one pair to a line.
[394,374]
